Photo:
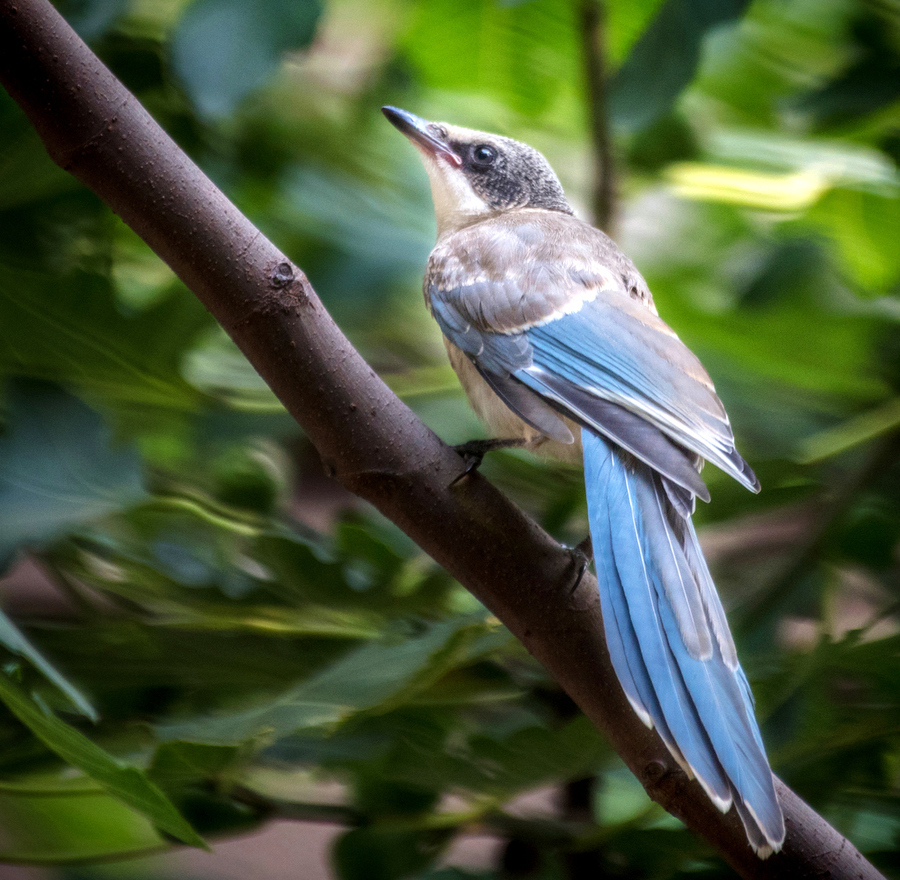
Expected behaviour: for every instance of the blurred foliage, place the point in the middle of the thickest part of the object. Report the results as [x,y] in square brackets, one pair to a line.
[240,630]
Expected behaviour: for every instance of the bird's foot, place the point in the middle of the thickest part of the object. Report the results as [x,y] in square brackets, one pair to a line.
[474,451]
[582,555]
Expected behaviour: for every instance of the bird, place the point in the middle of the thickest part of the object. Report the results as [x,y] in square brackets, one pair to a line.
[558,345]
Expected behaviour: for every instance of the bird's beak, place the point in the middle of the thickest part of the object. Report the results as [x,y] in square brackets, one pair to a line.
[422,133]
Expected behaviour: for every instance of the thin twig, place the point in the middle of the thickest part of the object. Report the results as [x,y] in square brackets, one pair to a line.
[487,820]
[758,610]
[593,35]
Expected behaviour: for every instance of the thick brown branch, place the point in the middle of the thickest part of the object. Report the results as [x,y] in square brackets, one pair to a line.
[368,439]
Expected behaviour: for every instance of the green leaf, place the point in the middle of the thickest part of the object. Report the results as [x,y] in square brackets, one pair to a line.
[120,660]
[15,641]
[488,761]
[225,49]
[625,24]
[382,854]
[26,172]
[665,58]
[374,676]
[128,783]
[869,83]
[857,431]
[57,468]
[178,765]
[70,823]
[621,798]
[520,53]
[91,18]
[218,367]
[71,329]
[863,226]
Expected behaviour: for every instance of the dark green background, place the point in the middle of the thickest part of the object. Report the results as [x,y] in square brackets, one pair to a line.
[241,629]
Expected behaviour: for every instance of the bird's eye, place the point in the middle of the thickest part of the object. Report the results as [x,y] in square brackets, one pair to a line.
[483,155]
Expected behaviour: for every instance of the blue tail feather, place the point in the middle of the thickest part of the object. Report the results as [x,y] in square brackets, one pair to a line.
[635,586]
[668,638]
[623,647]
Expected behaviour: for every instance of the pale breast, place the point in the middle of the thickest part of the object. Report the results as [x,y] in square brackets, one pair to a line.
[501,421]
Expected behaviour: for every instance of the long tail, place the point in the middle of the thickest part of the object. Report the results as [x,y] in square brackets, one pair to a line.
[669,640]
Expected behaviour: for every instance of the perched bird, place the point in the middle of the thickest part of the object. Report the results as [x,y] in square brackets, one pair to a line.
[558,345]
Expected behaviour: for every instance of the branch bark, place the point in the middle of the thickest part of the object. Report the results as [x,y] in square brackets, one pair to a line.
[368,439]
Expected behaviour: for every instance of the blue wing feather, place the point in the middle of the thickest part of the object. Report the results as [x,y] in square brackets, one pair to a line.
[505,360]
[628,430]
[617,350]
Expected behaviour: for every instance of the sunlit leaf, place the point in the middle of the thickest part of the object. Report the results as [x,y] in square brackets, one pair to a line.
[860,429]
[68,825]
[625,24]
[522,53]
[843,162]
[125,782]
[863,226]
[753,189]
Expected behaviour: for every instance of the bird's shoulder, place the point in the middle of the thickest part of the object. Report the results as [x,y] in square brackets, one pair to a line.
[520,268]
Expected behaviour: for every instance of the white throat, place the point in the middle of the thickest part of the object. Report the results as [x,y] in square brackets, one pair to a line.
[456,204]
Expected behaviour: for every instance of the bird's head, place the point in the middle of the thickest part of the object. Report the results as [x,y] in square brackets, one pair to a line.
[475,175]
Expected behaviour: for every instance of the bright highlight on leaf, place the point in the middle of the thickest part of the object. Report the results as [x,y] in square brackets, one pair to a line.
[751,189]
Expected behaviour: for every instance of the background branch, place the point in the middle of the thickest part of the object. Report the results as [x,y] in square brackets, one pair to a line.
[368,439]
[593,35]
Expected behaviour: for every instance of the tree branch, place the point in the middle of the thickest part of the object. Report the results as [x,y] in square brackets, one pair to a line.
[593,50]
[830,511]
[368,439]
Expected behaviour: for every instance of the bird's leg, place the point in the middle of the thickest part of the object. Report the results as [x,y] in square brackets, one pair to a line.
[582,555]
[474,452]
